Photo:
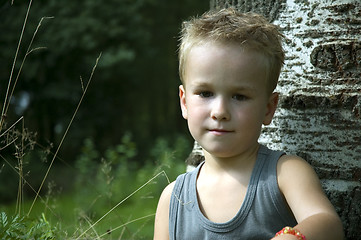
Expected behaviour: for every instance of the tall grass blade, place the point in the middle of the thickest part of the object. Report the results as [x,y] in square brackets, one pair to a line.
[28,52]
[3,112]
[122,201]
[64,135]
[125,224]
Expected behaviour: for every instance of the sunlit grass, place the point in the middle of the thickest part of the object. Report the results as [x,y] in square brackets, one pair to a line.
[133,219]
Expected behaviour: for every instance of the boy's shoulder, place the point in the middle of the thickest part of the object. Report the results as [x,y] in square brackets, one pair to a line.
[293,168]
[293,162]
[162,214]
[167,191]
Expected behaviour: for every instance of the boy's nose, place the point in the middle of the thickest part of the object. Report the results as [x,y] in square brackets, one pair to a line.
[220,110]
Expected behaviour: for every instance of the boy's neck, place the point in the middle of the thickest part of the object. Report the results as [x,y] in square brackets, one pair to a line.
[236,164]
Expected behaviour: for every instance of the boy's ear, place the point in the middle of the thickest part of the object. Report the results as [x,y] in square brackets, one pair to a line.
[271,108]
[183,104]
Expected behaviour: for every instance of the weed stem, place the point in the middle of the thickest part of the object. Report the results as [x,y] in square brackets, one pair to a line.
[3,113]
[118,204]
[64,135]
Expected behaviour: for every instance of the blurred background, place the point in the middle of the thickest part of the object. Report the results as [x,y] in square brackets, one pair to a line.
[129,117]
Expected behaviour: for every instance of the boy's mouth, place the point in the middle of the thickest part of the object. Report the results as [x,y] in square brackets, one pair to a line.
[217,131]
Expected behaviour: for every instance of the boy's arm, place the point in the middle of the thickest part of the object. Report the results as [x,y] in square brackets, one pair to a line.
[161,225]
[316,217]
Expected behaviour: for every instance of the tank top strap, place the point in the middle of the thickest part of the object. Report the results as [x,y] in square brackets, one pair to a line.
[181,198]
[178,186]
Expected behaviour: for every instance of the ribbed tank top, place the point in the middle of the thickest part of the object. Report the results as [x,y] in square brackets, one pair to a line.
[263,212]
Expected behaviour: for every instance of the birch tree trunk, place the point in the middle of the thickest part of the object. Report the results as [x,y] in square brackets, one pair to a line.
[319,114]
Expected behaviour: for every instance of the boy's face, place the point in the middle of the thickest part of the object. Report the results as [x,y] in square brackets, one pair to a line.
[225,99]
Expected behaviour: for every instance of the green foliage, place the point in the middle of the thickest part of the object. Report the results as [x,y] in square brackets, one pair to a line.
[24,228]
[95,175]
[114,196]
[117,178]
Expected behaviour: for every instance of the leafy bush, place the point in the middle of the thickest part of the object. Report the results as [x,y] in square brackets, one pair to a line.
[24,228]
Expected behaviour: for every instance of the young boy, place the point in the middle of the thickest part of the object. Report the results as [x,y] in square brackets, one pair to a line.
[229,66]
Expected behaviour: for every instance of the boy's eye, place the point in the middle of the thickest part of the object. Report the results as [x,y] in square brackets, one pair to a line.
[205,94]
[239,97]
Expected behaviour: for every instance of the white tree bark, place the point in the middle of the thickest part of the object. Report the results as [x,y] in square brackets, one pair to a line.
[319,115]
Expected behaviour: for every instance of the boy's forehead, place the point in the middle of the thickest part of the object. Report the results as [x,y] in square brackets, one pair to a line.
[228,55]
[223,61]
[227,48]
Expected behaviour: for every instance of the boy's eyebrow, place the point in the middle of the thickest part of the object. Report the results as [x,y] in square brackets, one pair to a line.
[204,84]
[199,84]
[245,87]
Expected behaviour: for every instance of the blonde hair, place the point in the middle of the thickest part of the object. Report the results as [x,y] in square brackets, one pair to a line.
[251,31]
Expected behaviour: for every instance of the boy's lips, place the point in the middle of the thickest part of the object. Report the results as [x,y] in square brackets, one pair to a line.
[217,131]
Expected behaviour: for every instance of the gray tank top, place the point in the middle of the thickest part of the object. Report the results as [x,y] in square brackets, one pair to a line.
[263,212]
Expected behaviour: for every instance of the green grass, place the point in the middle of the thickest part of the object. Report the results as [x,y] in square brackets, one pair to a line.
[72,220]
[112,198]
